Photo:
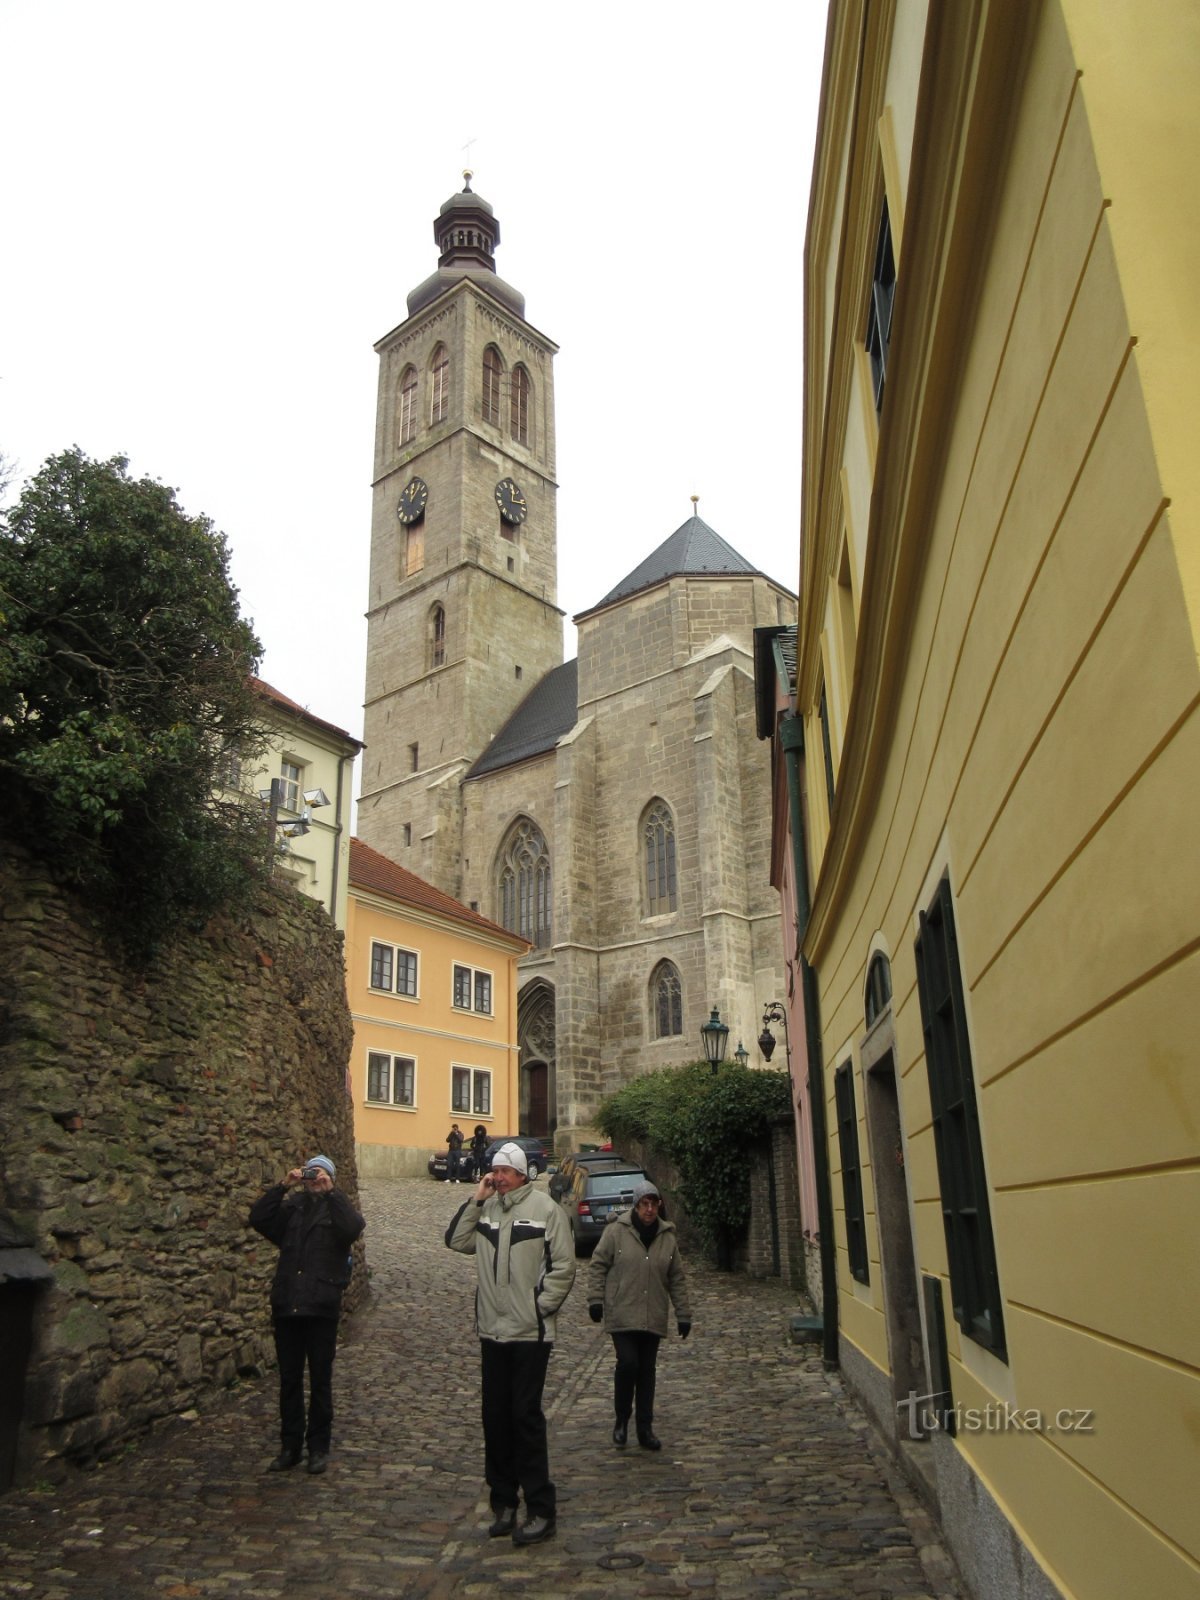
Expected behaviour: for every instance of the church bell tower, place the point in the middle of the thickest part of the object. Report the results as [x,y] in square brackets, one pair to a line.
[462,619]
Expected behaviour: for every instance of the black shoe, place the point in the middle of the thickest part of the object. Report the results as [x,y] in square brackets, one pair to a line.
[505,1523]
[318,1460]
[533,1530]
[621,1435]
[285,1461]
[647,1439]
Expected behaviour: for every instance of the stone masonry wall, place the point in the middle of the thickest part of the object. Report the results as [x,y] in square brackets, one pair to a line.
[140,1118]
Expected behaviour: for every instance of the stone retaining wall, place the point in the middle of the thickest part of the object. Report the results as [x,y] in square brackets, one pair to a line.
[140,1117]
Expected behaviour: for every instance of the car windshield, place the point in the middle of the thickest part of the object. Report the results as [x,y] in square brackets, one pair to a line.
[610,1183]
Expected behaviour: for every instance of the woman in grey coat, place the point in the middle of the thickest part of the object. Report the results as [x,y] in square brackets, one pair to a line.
[636,1277]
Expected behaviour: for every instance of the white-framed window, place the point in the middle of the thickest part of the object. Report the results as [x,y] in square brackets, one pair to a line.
[472,989]
[471,1091]
[290,775]
[393,969]
[391,1080]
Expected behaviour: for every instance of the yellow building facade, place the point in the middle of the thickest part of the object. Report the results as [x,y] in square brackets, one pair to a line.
[996,672]
[432,987]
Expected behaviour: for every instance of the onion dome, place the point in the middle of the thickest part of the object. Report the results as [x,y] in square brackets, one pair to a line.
[467,234]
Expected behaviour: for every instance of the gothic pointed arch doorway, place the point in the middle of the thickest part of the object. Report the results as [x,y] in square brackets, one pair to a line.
[536,1040]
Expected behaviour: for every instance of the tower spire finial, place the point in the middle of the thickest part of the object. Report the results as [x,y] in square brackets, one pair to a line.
[695,503]
[467,176]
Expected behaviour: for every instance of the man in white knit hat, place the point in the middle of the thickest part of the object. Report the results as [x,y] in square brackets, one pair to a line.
[524,1268]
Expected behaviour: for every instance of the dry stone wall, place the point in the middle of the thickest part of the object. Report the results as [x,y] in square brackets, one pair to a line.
[140,1116]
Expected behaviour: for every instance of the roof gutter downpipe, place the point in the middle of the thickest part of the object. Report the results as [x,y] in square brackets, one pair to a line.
[791,742]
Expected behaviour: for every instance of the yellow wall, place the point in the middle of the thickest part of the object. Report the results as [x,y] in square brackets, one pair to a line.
[429,1029]
[1036,620]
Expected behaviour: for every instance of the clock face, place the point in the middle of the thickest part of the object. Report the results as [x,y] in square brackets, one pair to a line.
[412,501]
[511,501]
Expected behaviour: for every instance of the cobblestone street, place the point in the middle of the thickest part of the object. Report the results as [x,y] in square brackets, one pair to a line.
[768,1482]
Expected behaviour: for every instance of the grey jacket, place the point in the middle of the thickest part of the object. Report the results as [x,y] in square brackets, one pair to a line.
[636,1286]
[524,1262]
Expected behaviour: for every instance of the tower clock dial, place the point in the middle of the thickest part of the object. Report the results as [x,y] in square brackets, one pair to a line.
[412,501]
[511,502]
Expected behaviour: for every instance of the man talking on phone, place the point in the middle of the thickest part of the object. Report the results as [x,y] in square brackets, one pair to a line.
[314,1225]
[524,1267]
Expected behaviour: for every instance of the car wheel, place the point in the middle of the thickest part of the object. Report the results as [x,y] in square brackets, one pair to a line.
[534,1170]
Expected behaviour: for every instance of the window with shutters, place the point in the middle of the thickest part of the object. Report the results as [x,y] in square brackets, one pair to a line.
[439,385]
[493,372]
[408,405]
[518,415]
[852,1189]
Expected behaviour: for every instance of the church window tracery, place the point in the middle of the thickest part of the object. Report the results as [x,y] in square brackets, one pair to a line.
[658,847]
[439,390]
[525,882]
[408,405]
[666,1000]
[493,372]
[519,405]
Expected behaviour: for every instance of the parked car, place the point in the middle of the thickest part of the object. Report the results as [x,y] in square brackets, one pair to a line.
[536,1153]
[596,1195]
[589,1160]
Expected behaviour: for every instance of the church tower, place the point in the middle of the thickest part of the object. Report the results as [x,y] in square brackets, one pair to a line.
[462,618]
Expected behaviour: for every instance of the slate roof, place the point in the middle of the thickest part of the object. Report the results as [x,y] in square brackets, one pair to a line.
[370,870]
[549,710]
[693,549]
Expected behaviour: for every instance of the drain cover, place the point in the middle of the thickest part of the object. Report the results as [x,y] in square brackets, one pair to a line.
[620,1562]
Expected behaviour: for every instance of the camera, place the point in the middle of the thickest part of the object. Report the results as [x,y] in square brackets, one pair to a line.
[311,1172]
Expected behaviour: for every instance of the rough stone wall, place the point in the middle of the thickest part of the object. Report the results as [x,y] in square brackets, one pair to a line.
[141,1115]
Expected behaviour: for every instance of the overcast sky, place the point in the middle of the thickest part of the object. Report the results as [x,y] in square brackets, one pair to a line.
[213,211]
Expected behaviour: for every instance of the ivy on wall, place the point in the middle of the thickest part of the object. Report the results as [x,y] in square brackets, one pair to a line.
[708,1125]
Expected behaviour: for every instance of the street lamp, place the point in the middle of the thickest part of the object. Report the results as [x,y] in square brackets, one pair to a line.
[741,1055]
[774,1011]
[273,797]
[714,1034]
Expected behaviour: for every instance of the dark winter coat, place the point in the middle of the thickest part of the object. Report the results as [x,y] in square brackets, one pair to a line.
[314,1233]
[637,1284]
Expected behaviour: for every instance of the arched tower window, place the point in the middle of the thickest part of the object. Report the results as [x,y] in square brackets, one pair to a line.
[658,857]
[879,986]
[666,1000]
[524,883]
[493,371]
[437,636]
[408,405]
[439,385]
[519,406]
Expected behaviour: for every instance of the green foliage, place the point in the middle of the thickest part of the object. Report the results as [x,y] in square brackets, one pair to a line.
[708,1125]
[124,681]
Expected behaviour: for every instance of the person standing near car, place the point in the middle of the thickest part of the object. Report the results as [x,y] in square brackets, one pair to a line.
[635,1278]
[454,1144]
[524,1268]
[478,1149]
[313,1224]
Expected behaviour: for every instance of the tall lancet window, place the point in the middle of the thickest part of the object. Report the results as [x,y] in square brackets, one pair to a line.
[408,405]
[437,637]
[519,406]
[439,385]
[525,883]
[658,850]
[666,1000]
[493,371]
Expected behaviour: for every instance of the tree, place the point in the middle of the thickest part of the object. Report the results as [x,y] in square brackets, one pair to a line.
[125,671]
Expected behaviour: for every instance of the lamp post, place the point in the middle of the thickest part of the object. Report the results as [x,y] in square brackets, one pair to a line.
[714,1035]
[272,798]
[774,1011]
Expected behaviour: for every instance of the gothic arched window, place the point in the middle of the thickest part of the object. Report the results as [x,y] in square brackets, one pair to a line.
[666,1000]
[658,856]
[524,883]
[437,636]
[519,406]
[439,387]
[493,371]
[408,405]
[879,986]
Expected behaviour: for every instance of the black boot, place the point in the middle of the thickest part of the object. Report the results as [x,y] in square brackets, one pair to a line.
[647,1439]
[533,1530]
[505,1523]
[287,1458]
[621,1433]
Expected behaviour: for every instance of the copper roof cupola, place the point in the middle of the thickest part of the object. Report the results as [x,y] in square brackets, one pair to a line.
[467,234]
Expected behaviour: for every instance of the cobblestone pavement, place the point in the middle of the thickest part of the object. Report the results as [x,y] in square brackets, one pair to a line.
[769,1482]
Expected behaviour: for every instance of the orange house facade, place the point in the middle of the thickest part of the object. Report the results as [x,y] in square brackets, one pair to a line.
[432,987]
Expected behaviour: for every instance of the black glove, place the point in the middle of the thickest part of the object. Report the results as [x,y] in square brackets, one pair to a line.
[596,1312]
[684,1329]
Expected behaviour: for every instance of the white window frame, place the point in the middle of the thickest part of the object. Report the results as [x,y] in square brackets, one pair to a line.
[475,974]
[395,952]
[389,1101]
[291,777]
[475,1078]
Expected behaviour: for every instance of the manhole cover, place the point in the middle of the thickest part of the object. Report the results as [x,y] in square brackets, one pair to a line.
[620,1562]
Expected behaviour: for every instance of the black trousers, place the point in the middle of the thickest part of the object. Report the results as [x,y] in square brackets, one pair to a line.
[516,1457]
[299,1340]
[637,1357]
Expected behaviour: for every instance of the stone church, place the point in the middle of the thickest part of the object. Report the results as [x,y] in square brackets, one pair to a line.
[615,809]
